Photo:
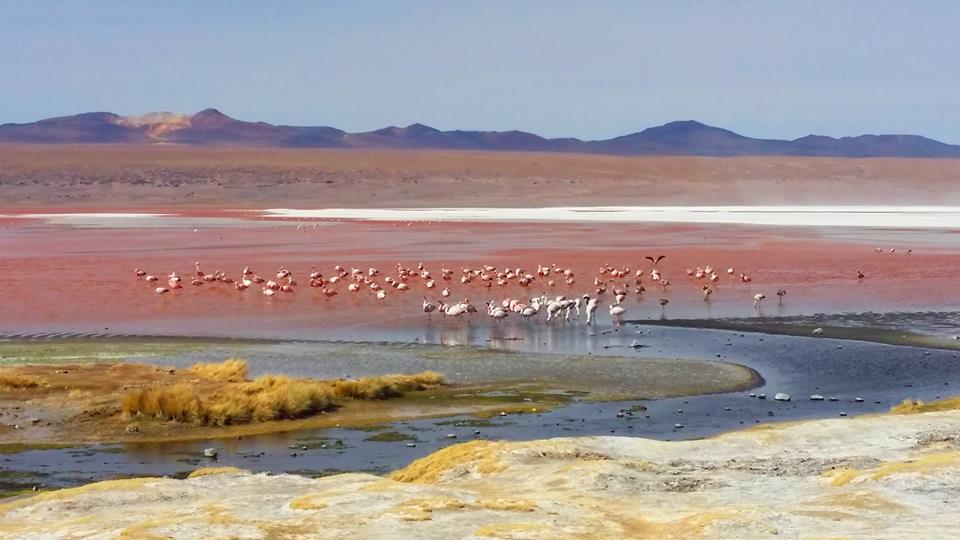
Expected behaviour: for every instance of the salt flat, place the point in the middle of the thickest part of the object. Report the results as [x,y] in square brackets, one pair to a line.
[893,217]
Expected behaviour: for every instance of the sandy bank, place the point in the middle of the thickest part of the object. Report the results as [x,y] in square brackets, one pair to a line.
[879,477]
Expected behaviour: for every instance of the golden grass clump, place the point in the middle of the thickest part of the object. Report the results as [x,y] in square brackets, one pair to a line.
[385,386]
[12,380]
[274,397]
[908,406]
[230,370]
[265,399]
[178,402]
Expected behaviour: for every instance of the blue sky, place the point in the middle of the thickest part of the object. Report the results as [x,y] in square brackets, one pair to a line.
[585,69]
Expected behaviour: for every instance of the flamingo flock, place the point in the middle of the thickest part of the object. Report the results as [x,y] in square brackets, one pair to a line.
[610,281]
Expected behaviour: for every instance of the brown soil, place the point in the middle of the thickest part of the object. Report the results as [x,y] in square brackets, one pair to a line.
[108,176]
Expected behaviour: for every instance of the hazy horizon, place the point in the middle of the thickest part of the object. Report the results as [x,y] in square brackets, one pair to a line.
[558,69]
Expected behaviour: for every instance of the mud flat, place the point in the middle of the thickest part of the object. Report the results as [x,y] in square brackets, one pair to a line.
[57,403]
[917,329]
[879,476]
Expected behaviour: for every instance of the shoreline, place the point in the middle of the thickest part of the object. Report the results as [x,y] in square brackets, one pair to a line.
[844,475]
[770,326]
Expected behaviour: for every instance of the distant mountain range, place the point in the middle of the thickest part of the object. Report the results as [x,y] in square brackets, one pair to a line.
[684,138]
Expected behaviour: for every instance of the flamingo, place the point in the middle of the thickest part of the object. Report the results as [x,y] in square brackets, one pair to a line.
[757,298]
[428,308]
[781,293]
[591,309]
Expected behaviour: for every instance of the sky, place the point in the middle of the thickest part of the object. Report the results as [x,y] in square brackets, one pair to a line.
[586,69]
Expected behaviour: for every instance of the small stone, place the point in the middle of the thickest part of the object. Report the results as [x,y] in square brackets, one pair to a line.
[858,399]
[816,397]
[817,331]
[762,396]
[843,413]
[132,428]
[678,426]
[451,435]
[780,396]
[411,445]
[211,452]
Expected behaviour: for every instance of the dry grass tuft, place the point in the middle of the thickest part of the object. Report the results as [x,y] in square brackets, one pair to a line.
[230,370]
[12,380]
[179,402]
[908,406]
[385,386]
[265,399]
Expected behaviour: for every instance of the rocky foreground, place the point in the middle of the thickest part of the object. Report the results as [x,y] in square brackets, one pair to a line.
[870,477]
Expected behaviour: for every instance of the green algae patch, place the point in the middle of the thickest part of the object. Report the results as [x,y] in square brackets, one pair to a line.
[390,436]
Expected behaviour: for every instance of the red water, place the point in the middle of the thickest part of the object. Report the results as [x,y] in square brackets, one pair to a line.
[61,279]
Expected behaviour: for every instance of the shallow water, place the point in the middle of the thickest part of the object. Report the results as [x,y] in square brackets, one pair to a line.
[882,375]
